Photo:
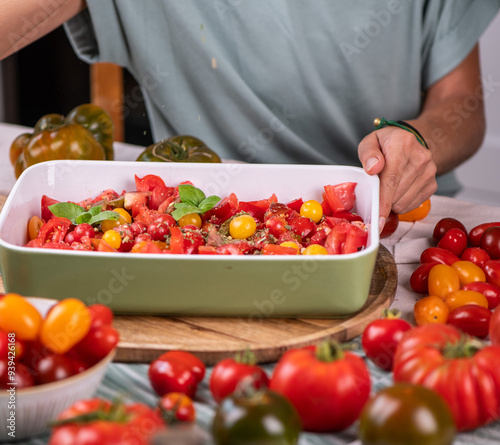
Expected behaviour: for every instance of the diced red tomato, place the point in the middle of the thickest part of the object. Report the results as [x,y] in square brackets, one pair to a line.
[252,209]
[148,183]
[265,203]
[296,204]
[341,197]
[46,214]
[176,241]
[54,229]
[275,249]
[302,226]
[345,238]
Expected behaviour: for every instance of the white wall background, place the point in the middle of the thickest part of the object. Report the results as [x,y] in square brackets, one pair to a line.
[480,175]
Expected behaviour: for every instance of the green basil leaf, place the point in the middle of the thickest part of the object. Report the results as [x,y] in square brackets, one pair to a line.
[83,218]
[182,209]
[67,210]
[103,216]
[208,203]
[191,195]
[95,210]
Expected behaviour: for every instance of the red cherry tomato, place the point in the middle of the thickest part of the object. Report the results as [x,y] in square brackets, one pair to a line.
[100,314]
[176,407]
[454,240]
[489,290]
[471,319]
[391,224]
[228,373]
[476,233]
[494,329]
[475,255]
[97,344]
[52,368]
[490,242]
[22,376]
[438,254]
[444,225]
[381,337]
[492,271]
[420,277]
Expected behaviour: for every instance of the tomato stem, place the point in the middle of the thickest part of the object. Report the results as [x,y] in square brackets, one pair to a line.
[329,351]
[246,357]
[391,314]
[465,347]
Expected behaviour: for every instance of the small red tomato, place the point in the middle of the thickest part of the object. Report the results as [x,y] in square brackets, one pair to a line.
[381,337]
[100,314]
[391,224]
[471,319]
[438,254]
[489,290]
[475,255]
[228,373]
[454,240]
[477,232]
[444,225]
[53,368]
[22,378]
[176,407]
[97,344]
[492,271]
[490,242]
[494,330]
[420,277]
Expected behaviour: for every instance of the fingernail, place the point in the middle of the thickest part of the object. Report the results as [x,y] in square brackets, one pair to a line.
[381,224]
[371,162]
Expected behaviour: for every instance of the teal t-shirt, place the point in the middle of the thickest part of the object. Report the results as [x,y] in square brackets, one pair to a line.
[281,81]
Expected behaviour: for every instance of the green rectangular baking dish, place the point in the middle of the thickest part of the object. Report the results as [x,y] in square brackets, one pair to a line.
[253,286]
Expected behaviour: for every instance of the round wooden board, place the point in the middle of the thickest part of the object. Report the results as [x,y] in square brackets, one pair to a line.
[144,338]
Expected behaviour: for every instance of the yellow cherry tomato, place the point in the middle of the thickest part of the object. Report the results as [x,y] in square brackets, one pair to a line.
[315,249]
[65,325]
[312,209]
[416,214]
[430,309]
[442,280]
[113,238]
[462,297]
[34,227]
[193,219]
[468,272]
[290,244]
[19,316]
[242,227]
[110,224]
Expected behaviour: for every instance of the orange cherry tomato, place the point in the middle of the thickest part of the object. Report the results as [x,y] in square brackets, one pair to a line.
[65,325]
[19,316]
[34,226]
[462,297]
[442,280]
[468,272]
[416,214]
[430,309]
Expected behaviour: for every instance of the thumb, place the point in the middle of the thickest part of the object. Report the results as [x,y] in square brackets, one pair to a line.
[370,155]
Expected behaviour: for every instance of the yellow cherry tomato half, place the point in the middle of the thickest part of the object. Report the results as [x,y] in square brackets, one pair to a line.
[468,272]
[290,244]
[442,280]
[124,218]
[462,297]
[192,219]
[416,214]
[19,316]
[312,209]
[315,249]
[65,325]
[242,227]
[430,309]
[113,238]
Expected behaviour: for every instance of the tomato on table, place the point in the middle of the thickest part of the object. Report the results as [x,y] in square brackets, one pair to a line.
[468,272]
[438,254]
[476,233]
[430,309]
[471,319]
[419,279]
[445,224]
[494,328]
[176,407]
[475,255]
[490,291]
[462,297]
[443,279]
[490,242]
[454,240]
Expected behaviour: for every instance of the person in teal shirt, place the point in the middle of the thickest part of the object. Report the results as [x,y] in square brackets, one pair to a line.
[290,81]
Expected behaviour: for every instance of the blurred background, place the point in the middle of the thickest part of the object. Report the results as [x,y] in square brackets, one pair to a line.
[47,77]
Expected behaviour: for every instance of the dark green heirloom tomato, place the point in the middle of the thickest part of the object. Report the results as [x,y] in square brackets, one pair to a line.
[179,149]
[251,417]
[406,414]
[98,122]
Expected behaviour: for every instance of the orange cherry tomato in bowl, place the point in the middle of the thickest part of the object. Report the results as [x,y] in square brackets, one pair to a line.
[416,214]
[19,316]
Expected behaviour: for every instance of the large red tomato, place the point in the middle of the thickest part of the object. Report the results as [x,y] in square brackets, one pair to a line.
[327,386]
[464,372]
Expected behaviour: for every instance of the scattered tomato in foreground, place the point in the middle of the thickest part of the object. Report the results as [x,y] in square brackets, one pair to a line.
[406,414]
[99,421]
[250,416]
[176,407]
[327,386]
[381,337]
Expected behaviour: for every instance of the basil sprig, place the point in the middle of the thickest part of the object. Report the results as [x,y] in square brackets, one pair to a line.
[193,200]
[78,215]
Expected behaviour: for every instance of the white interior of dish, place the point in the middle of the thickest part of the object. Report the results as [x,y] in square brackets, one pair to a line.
[78,180]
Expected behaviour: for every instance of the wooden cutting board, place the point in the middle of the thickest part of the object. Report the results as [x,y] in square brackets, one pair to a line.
[144,338]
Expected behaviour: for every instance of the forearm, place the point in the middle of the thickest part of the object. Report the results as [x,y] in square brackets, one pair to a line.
[24,21]
[453,129]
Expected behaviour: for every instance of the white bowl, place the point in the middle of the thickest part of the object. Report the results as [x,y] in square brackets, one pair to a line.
[36,406]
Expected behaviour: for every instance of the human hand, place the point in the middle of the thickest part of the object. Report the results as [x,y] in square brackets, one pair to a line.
[406,170]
